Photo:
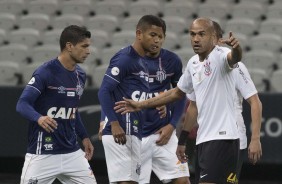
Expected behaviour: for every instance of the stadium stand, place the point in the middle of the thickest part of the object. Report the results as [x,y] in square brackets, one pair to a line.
[28,27]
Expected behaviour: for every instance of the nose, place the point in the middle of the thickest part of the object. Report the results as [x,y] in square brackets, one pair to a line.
[157,39]
[195,39]
[88,51]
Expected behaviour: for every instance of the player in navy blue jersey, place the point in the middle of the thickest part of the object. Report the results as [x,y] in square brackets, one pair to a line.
[50,103]
[159,140]
[127,76]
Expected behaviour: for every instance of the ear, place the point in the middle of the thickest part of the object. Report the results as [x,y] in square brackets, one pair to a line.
[68,46]
[138,34]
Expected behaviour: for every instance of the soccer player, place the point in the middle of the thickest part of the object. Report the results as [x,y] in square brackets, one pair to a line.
[127,76]
[246,89]
[159,140]
[209,76]
[50,102]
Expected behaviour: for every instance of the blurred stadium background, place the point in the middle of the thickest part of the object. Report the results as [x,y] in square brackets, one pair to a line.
[29,33]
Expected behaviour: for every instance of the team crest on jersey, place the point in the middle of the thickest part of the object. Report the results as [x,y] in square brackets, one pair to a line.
[160,75]
[79,90]
[208,69]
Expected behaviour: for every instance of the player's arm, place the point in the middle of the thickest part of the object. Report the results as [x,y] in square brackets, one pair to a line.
[26,109]
[128,105]
[190,121]
[102,124]
[105,98]
[25,104]
[254,149]
[235,55]
[82,134]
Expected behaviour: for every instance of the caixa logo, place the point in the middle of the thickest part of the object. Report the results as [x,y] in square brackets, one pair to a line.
[62,112]
[140,96]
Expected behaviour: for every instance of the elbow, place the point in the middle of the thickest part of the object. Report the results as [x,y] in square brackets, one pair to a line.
[19,107]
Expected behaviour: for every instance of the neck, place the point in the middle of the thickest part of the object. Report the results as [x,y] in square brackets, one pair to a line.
[203,56]
[67,62]
[137,47]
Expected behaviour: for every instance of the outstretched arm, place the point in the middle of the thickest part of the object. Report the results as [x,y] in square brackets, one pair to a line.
[255,150]
[236,53]
[129,105]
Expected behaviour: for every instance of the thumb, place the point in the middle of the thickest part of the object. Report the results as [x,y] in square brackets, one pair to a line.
[230,34]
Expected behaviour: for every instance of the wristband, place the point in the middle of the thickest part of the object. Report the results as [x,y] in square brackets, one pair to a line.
[183,137]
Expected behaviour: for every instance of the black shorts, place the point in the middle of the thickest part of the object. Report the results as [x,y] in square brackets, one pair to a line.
[216,162]
[243,153]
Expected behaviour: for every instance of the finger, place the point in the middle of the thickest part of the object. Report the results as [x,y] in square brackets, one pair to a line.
[118,106]
[120,103]
[124,112]
[123,140]
[51,123]
[230,34]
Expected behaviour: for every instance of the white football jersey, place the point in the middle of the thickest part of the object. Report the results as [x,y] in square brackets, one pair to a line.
[214,87]
[245,88]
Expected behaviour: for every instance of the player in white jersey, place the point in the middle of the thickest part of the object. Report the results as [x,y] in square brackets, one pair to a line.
[245,88]
[214,86]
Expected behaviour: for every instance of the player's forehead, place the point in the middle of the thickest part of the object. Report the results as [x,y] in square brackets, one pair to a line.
[154,29]
[201,26]
[85,41]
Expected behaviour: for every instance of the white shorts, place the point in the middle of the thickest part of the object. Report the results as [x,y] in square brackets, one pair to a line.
[161,159]
[68,168]
[123,161]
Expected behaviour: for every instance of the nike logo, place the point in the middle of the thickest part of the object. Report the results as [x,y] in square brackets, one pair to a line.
[201,176]
[193,74]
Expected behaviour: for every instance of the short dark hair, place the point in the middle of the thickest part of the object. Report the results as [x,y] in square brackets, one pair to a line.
[217,29]
[73,34]
[148,20]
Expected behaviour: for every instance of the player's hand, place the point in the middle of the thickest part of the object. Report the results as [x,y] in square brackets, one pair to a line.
[254,151]
[126,106]
[165,134]
[88,148]
[102,123]
[162,111]
[47,123]
[180,153]
[118,133]
[231,41]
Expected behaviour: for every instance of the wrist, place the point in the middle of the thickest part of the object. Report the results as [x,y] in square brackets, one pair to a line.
[183,138]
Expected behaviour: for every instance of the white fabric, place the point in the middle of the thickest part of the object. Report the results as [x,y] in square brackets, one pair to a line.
[214,87]
[68,168]
[123,161]
[245,88]
[161,159]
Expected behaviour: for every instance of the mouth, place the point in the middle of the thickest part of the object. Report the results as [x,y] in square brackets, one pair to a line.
[196,47]
[154,47]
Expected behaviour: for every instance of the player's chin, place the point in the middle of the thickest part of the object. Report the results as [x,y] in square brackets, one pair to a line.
[82,60]
[154,51]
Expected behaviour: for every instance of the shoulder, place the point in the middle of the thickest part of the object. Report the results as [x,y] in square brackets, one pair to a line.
[45,68]
[170,55]
[124,55]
